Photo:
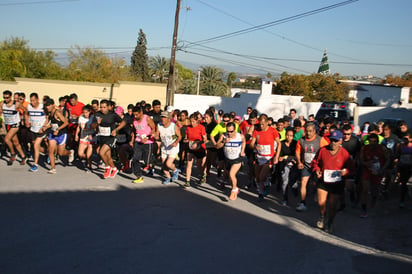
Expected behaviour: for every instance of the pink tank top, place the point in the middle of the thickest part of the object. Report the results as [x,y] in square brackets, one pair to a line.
[143,130]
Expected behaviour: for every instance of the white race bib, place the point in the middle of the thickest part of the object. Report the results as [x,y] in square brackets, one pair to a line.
[104,131]
[332,176]
[263,150]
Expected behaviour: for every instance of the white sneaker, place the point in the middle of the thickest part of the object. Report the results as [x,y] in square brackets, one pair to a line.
[52,171]
[71,156]
[301,207]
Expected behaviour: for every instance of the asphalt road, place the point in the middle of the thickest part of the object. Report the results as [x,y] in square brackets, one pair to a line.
[73,222]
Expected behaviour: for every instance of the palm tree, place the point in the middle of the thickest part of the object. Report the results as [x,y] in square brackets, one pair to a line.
[159,66]
[212,83]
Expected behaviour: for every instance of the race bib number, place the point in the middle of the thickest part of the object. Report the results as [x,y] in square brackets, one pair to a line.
[104,131]
[332,176]
[167,140]
[263,149]
[54,126]
[309,157]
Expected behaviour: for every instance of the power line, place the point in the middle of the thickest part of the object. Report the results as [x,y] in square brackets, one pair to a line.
[273,33]
[273,23]
[263,58]
[37,2]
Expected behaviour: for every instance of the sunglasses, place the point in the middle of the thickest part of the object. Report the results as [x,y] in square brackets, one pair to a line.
[334,141]
[6,97]
[230,131]
[347,134]
[226,121]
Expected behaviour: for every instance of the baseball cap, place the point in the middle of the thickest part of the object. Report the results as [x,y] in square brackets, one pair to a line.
[237,117]
[165,114]
[336,135]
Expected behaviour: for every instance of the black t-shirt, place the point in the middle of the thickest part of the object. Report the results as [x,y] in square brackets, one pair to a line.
[155,116]
[391,142]
[109,120]
[352,146]
[209,128]
[289,151]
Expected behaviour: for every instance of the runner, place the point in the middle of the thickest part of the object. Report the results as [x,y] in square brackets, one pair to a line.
[86,136]
[109,123]
[143,140]
[264,140]
[374,158]
[58,135]
[209,125]
[38,122]
[170,137]
[306,152]
[11,115]
[75,109]
[233,144]
[196,135]
[332,164]
[287,165]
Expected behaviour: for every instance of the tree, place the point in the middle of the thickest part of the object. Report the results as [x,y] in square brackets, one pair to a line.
[18,60]
[93,65]
[139,60]
[231,78]
[315,87]
[212,83]
[159,66]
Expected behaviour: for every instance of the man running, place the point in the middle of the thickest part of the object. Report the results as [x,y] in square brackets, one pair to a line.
[11,116]
[109,123]
[305,152]
[142,142]
[170,137]
[37,121]
[331,166]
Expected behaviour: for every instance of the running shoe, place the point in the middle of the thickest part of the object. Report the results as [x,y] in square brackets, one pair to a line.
[12,159]
[34,168]
[113,172]
[233,194]
[102,164]
[301,207]
[107,171]
[52,171]
[321,222]
[151,172]
[23,161]
[138,180]
[266,190]
[88,170]
[364,214]
[71,156]
[261,198]
[175,175]
[203,179]
[284,203]
[187,184]
[146,168]
[167,181]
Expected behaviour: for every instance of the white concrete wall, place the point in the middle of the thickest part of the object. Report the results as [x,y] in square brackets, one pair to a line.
[124,93]
[275,106]
[374,114]
[384,96]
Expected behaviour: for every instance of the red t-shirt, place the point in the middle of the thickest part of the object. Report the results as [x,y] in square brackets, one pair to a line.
[196,133]
[75,110]
[265,141]
[328,163]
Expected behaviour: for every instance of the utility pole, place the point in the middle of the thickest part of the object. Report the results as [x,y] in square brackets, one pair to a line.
[198,82]
[170,81]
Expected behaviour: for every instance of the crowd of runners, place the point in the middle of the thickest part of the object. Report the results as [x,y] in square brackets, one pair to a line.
[290,153]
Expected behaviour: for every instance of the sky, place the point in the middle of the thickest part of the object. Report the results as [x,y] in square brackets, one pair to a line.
[365,37]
